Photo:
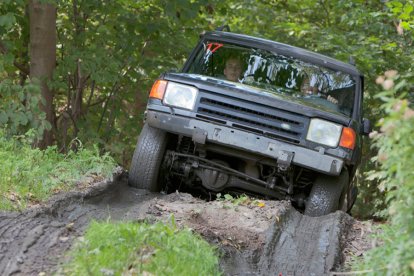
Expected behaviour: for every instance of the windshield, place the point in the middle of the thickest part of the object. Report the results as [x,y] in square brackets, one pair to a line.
[277,74]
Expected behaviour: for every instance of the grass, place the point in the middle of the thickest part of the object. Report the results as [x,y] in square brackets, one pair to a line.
[29,175]
[141,249]
[240,200]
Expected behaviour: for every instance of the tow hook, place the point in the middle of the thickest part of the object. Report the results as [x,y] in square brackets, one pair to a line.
[284,160]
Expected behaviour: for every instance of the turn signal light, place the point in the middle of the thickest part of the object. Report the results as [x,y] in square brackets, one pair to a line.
[158,89]
[348,138]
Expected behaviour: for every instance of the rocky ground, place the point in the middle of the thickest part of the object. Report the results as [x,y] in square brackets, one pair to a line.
[255,237]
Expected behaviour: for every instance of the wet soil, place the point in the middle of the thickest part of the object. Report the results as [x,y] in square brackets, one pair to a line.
[270,238]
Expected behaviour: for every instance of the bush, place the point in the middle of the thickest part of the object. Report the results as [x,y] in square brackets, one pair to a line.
[31,175]
[19,108]
[395,144]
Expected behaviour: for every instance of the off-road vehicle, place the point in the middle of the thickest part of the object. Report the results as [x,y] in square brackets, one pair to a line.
[289,126]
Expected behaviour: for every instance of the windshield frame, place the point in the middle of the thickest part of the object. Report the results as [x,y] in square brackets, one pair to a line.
[286,50]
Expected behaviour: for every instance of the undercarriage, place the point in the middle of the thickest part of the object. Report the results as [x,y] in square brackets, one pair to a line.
[213,169]
[166,161]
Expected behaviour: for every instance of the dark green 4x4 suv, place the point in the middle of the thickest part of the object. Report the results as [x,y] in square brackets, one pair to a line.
[249,115]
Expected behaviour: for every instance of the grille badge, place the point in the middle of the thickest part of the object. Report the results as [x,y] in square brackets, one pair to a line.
[285,126]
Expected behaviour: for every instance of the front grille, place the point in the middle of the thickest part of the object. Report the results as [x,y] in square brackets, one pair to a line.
[253,117]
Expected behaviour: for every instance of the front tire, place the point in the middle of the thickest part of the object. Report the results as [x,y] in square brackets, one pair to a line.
[147,159]
[327,194]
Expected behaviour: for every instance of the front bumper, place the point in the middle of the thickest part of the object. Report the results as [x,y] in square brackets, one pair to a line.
[203,132]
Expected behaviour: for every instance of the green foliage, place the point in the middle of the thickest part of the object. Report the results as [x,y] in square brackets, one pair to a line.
[110,52]
[7,20]
[395,157]
[14,39]
[30,175]
[108,55]
[398,34]
[239,200]
[113,51]
[141,249]
[19,109]
[230,198]
[366,30]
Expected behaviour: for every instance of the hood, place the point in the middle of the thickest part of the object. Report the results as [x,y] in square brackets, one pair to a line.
[304,106]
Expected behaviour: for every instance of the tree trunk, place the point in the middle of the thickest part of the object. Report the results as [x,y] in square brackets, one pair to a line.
[43,56]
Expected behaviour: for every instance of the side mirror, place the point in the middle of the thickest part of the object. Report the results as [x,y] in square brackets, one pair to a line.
[366,126]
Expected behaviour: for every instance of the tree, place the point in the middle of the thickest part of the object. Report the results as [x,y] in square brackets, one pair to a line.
[43,57]
[107,56]
[110,52]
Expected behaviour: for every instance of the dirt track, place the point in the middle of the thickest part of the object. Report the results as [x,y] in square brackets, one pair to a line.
[273,239]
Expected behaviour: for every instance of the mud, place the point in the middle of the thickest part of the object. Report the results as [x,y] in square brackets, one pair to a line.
[35,240]
[267,239]
[271,240]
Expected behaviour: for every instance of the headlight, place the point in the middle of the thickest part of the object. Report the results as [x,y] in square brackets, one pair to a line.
[180,95]
[323,132]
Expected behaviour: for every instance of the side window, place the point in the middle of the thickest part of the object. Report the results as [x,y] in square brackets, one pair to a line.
[208,62]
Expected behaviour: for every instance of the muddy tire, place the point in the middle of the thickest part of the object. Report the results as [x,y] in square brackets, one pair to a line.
[327,194]
[348,200]
[147,158]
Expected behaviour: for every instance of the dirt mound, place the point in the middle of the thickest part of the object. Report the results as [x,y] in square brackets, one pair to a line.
[274,239]
[270,238]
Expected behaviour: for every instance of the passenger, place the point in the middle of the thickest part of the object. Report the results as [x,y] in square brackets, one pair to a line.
[307,89]
[233,69]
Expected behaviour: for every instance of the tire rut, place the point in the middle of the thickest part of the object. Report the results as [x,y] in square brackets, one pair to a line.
[273,240]
[302,245]
[35,240]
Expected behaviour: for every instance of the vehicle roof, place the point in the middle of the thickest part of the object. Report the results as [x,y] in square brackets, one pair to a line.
[284,49]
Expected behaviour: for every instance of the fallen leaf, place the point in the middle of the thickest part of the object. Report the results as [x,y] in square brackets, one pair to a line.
[261,204]
[70,226]
[64,239]
[161,207]
[225,242]
[14,196]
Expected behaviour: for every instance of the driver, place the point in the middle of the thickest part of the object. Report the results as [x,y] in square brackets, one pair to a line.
[309,90]
[233,69]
